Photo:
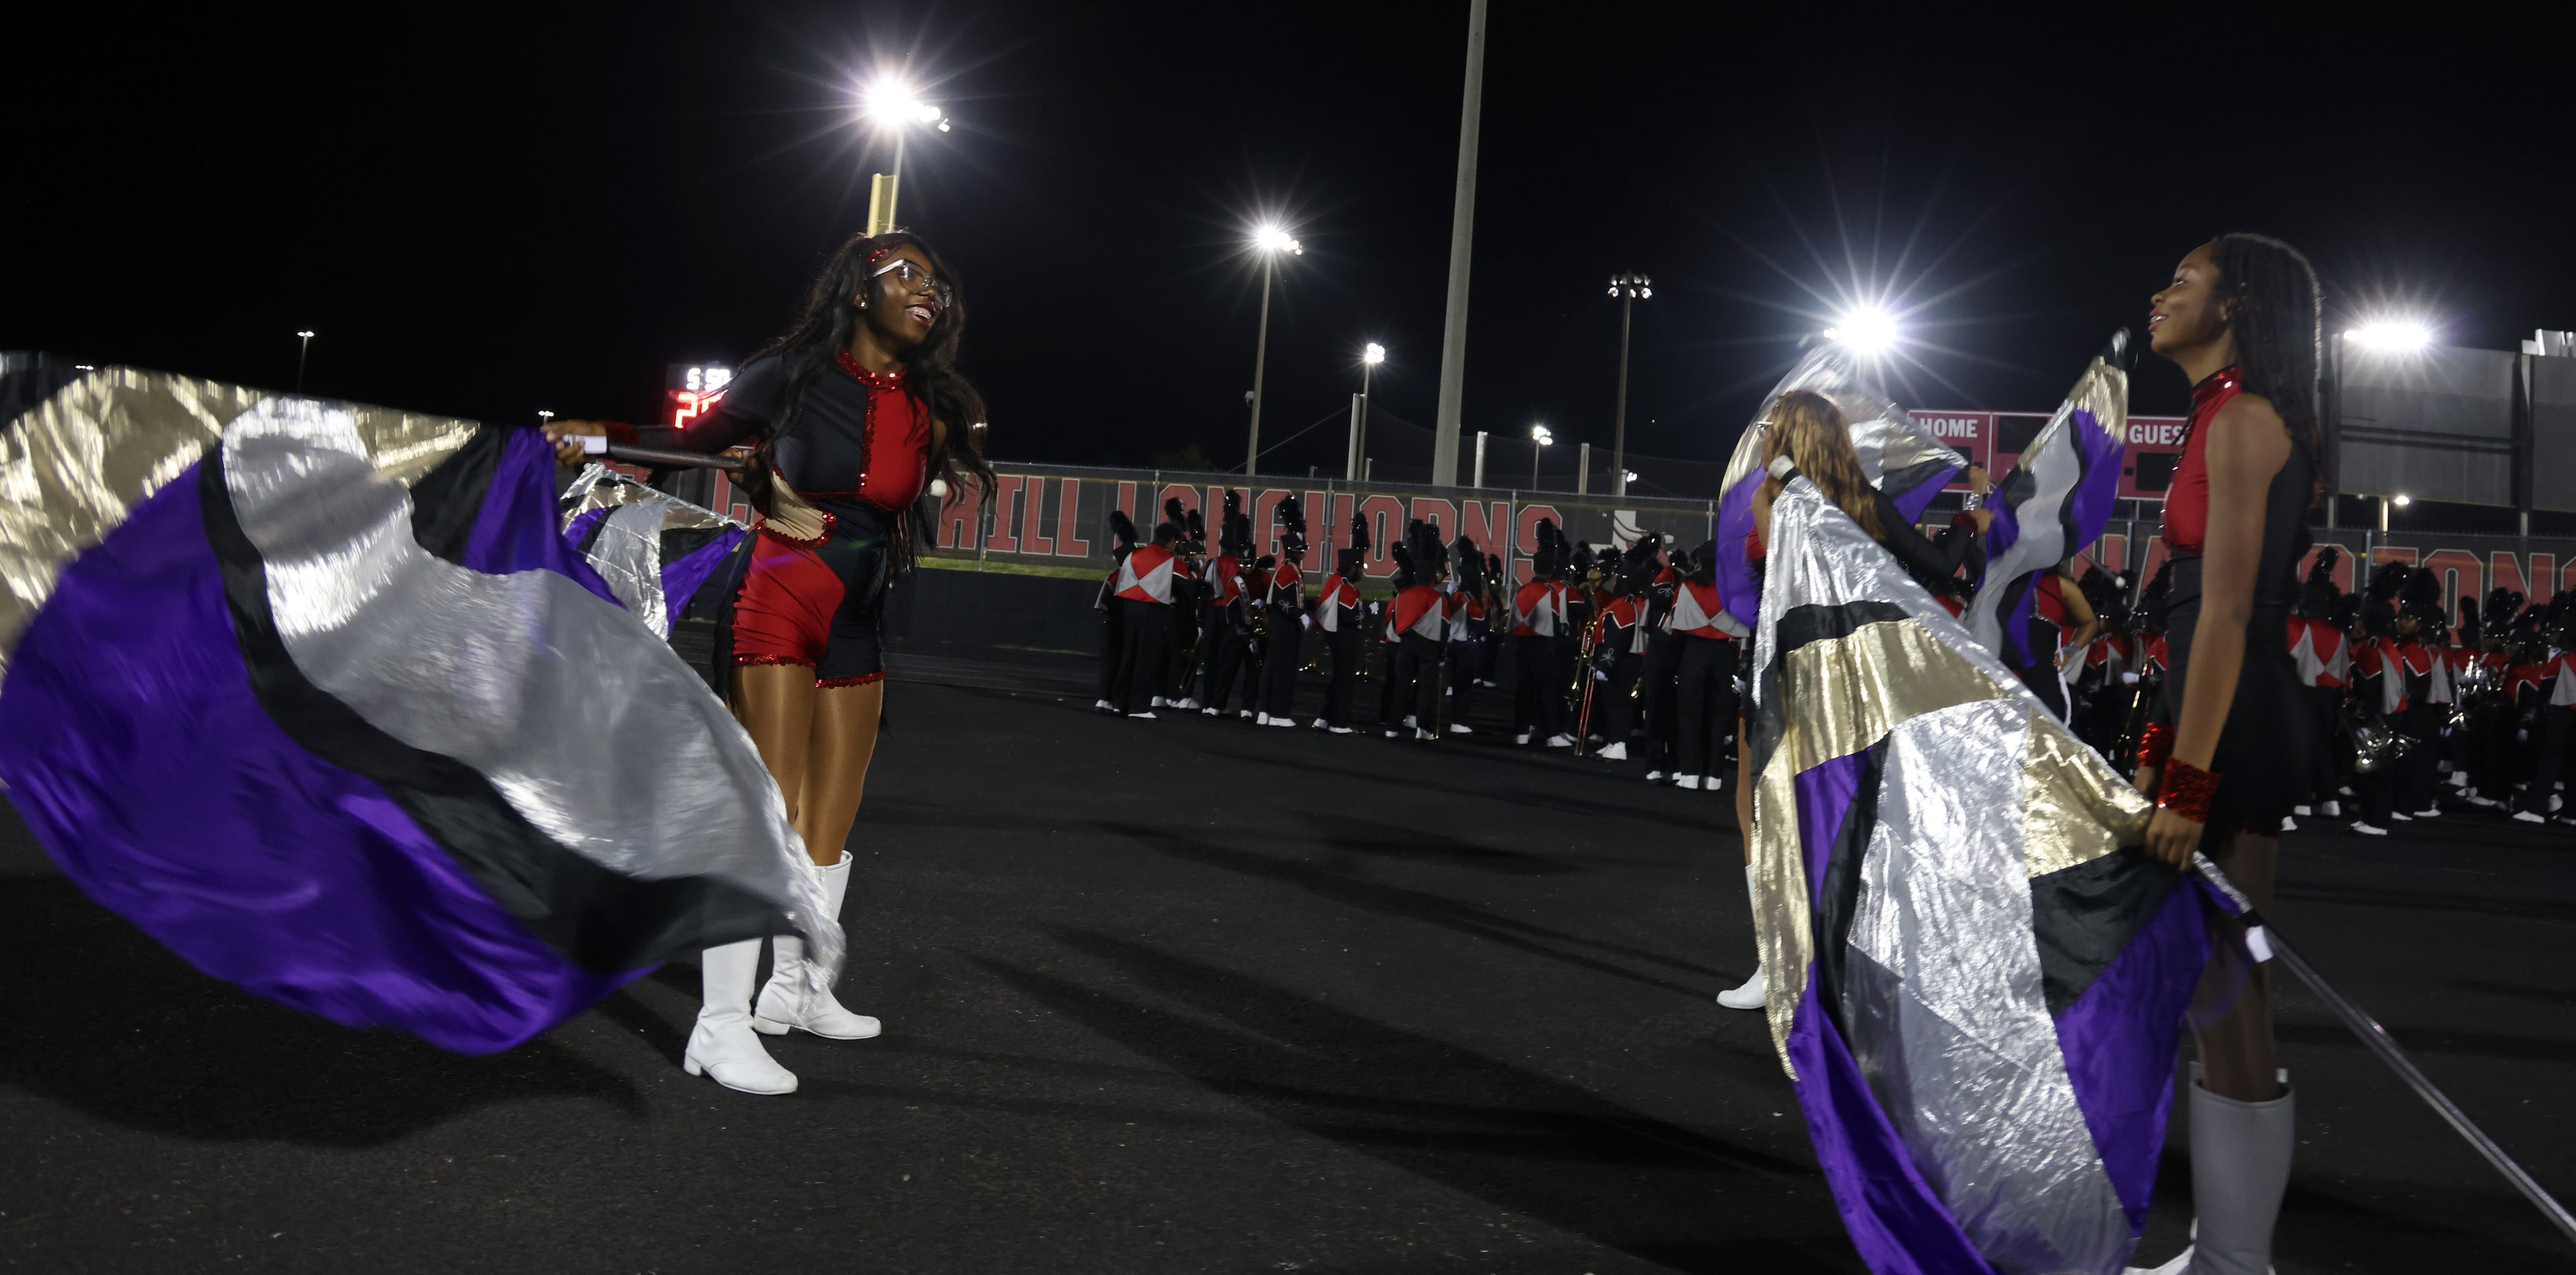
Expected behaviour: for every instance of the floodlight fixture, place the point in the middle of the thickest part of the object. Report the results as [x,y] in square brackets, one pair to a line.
[1270,237]
[2401,500]
[1373,354]
[1867,330]
[2397,335]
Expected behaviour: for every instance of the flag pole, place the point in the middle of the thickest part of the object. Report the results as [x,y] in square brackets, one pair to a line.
[2266,944]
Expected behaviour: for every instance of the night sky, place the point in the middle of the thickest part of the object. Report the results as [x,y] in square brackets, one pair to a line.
[488,213]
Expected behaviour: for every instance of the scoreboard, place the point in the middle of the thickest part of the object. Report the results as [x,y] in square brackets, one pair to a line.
[1997,439]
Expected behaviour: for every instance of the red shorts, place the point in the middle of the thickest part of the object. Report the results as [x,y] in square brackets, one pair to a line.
[815,604]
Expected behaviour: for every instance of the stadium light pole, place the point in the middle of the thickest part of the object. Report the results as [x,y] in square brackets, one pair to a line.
[891,103]
[1370,356]
[1462,236]
[1269,240]
[1539,437]
[1630,289]
[301,350]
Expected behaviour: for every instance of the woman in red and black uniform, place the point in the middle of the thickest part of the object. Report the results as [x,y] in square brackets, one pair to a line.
[2226,755]
[853,410]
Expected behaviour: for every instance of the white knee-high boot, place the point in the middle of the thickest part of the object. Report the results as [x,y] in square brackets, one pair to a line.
[2240,1166]
[723,1044]
[786,1002]
[1754,993]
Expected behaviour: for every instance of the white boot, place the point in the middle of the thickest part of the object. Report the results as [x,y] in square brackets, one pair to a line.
[787,1003]
[1754,993]
[2240,1165]
[1614,752]
[723,1044]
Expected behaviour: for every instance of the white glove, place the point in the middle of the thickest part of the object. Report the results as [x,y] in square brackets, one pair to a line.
[2128,679]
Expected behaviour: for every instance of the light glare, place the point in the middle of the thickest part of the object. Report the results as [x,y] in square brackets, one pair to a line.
[1866,331]
[1374,354]
[2402,500]
[1271,238]
[2392,336]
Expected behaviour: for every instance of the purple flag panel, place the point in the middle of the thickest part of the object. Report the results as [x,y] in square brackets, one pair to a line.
[328,705]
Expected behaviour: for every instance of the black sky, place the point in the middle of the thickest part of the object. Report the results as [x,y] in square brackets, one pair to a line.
[485,212]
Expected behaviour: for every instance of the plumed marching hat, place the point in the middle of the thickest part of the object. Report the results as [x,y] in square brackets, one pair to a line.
[1197,524]
[1234,530]
[2317,597]
[1471,564]
[1353,558]
[1550,558]
[1292,540]
[1637,566]
[1429,555]
[1122,529]
[1703,569]
[2421,596]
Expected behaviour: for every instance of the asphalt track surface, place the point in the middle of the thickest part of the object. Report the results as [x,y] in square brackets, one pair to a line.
[1188,995]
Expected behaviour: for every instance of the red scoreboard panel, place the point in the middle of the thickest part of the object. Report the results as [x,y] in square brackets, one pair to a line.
[1997,439]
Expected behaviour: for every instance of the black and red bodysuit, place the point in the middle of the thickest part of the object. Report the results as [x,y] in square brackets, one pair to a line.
[858,448]
[2261,760]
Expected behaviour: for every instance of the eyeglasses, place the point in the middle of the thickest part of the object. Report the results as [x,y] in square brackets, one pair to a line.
[914,278]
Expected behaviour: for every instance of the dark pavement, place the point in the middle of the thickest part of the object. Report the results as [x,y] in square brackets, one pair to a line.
[1188,995]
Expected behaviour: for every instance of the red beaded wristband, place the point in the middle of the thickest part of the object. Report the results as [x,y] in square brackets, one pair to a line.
[2186,790]
[2154,745]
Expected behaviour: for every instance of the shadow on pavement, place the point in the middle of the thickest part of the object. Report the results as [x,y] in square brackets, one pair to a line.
[1519,1140]
[105,1021]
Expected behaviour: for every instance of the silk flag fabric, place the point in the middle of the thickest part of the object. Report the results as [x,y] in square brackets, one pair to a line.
[2053,504]
[1898,457]
[318,696]
[656,551]
[1976,989]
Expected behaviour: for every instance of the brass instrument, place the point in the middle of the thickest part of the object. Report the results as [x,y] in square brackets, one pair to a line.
[2375,745]
[1584,673]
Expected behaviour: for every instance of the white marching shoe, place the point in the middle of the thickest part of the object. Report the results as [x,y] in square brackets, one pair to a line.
[2240,1166]
[1686,781]
[1461,728]
[723,1045]
[1560,740]
[1614,752]
[1261,719]
[1754,992]
[787,1003]
[1321,724]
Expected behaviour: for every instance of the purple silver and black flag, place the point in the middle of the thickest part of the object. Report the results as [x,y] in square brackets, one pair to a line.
[2053,503]
[1977,983]
[1896,455]
[320,696]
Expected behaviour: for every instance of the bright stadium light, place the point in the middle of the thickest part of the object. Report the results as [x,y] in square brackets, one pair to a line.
[2392,336]
[892,103]
[1270,238]
[2402,500]
[1373,354]
[1868,330]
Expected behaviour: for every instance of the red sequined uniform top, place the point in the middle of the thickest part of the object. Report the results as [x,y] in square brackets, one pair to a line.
[859,437]
[2187,501]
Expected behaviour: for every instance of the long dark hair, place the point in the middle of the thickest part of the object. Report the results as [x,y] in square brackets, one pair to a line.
[2275,317]
[831,319]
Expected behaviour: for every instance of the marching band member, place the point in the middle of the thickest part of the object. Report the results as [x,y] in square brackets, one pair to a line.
[1227,630]
[1339,614]
[1658,691]
[1620,653]
[1145,582]
[1418,617]
[1468,621]
[2322,653]
[1122,531]
[1284,626]
[1538,617]
[1705,671]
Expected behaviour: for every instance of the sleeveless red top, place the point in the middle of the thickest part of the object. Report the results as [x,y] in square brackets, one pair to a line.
[2187,501]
